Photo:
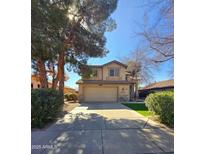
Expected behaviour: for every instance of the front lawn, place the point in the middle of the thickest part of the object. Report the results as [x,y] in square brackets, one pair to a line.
[140,108]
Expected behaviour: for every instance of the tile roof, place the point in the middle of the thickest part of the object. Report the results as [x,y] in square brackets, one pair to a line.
[161,84]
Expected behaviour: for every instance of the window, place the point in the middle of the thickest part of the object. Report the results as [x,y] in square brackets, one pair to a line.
[114,72]
[39,86]
[95,73]
[31,85]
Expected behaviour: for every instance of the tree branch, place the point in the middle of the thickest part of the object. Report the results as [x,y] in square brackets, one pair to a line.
[160,61]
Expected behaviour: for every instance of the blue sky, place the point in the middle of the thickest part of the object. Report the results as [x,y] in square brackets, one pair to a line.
[123,40]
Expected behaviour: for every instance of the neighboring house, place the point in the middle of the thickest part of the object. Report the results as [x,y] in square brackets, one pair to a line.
[157,86]
[35,83]
[68,90]
[109,83]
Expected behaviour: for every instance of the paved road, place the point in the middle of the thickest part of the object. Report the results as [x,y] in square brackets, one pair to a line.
[103,128]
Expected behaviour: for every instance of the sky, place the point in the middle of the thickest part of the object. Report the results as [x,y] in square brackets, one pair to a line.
[123,40]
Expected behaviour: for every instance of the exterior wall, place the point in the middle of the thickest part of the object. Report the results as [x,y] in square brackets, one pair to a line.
[103,73]
[123,91]
[35,84]
[81,92]
[106,76]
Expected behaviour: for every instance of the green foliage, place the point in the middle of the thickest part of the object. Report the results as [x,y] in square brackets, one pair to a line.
[66,96]
[89,39]
[45,105]
[73,27]
[85,72]
[137,106]
[47,23]
[162,103]
[71,97]
[74,97]
[50,24]
[140,108]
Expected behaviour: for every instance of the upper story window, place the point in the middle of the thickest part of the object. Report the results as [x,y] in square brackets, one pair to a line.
[114,72]
[95,73]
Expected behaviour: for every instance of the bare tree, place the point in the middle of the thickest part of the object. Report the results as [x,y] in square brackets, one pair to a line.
[140,65]
[158,33]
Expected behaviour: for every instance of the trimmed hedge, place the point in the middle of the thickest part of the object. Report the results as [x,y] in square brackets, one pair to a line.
[71,97]
[162,104]
[45,106]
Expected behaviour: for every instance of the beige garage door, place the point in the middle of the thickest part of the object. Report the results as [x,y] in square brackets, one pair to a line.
[100,94]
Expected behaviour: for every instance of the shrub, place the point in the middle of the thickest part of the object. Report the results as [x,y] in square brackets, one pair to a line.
[66,96]
[162,104]
[71,97]
[45,106]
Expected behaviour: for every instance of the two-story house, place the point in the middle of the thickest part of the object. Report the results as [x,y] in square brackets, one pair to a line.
[109,83]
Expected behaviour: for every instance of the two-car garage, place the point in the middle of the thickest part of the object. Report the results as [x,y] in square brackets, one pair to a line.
[100,94]
[104,92]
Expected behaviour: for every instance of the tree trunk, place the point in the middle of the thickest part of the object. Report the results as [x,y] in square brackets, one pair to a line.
[42,73]
[55,82]
[136,88]
[60,74]
[61,63]
[53,77]
[136,91]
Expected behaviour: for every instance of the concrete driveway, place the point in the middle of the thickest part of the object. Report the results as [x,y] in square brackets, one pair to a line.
[103,128]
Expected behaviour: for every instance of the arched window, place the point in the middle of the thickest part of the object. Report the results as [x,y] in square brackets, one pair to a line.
[31,85]
[39,86]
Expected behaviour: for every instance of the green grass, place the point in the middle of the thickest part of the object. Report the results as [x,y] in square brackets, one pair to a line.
[140,108]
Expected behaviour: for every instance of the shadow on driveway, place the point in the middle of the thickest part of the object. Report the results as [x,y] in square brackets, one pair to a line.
[84,132]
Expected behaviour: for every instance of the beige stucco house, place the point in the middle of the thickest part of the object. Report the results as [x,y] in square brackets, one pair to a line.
[109,83]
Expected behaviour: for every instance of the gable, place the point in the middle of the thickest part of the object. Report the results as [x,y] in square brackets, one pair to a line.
[115,64]
[103,71]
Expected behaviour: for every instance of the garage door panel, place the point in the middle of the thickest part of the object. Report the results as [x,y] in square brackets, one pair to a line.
[100,94]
